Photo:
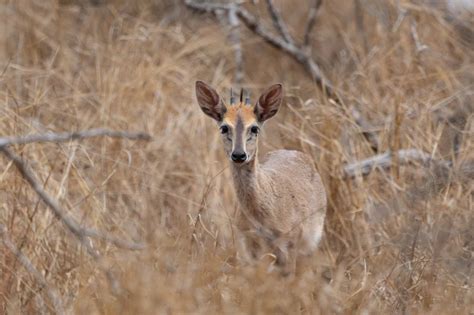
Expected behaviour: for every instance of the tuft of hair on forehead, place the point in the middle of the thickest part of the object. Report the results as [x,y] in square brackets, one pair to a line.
[240,111]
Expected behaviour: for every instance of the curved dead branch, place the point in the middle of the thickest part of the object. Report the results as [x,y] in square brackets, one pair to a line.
[386,160]
[278,22]
[69,136]
[71,224]
[311,21]
[285,43]
[82,234]
[234,37]
[28,265]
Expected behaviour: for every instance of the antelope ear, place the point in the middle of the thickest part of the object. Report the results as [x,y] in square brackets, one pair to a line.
[269,102]
[209,101]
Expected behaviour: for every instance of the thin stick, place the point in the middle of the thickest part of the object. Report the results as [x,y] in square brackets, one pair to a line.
[78,231]
[290,48]
[365,127]
[278,23]
[68,136]
[26,263]
[234,37]
[359,22]
[385,160]
[313,12]
[82,234]
[418,44]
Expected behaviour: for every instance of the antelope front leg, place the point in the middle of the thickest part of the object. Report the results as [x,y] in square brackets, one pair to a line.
[286,258]
[252,247]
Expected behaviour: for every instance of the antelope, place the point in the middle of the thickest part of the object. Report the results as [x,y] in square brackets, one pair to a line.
[282,199]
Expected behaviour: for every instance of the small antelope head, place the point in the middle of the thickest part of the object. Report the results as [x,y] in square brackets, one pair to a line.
[239,122]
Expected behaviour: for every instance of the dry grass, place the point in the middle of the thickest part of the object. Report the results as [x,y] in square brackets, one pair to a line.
[400,241]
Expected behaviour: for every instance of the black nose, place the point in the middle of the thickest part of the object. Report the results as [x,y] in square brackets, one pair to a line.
[238,157]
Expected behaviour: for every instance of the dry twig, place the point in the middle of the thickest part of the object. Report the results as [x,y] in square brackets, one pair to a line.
[82,234]
[26,263]
[237,44]
[68,136]
[278,22]
[414,33]
[71,224]
[385,160]
[359,22]
[313,11]
[252,23]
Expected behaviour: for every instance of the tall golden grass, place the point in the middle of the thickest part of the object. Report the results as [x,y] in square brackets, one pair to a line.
[396,241]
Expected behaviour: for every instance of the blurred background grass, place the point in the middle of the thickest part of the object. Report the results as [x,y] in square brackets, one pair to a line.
[399,241]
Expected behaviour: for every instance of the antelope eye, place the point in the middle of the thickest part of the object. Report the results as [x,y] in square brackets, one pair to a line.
[224,129]
[254,130]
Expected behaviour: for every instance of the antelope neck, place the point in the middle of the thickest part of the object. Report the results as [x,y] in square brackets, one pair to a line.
[248,182]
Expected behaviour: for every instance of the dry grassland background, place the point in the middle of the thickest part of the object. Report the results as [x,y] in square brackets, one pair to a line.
[396,241]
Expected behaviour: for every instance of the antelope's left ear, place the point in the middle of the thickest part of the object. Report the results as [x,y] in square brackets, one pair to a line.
[269,102]
[209,101]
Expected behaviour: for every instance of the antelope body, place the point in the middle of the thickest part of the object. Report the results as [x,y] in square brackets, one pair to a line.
[282,199]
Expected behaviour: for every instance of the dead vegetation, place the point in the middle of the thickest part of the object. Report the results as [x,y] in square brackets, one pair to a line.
[399,239]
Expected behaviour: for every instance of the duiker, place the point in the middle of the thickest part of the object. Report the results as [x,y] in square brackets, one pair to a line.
[282,199]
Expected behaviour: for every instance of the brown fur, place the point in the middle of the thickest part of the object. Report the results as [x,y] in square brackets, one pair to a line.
[245,112]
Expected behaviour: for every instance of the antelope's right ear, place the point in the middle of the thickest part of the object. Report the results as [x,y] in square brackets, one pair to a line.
[209,101]
[269,102]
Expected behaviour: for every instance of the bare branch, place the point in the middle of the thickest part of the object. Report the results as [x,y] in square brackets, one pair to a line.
[365,129]
[419,45]
[82,234]
[298,53]
[26,263]
[112,239]
[252,23]
[385,160]
[313,12]
[249,20]
[359,23]
[68,136]
[207,6]
[278,22]
[237,45]
[69,222]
